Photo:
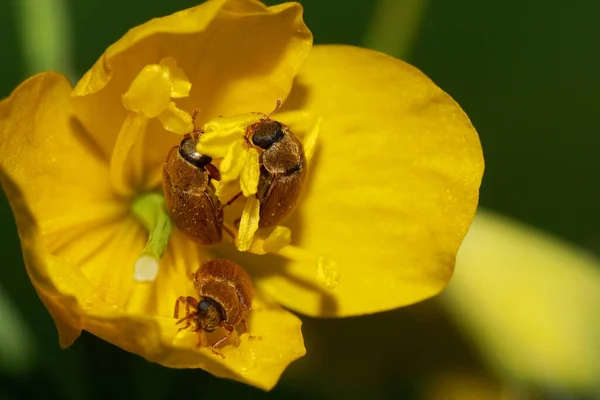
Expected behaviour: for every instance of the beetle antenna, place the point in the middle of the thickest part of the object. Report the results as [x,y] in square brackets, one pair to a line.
[195,134]
[277,107]
[267,116]
[195,114]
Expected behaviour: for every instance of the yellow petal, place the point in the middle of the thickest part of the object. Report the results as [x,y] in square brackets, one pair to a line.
[58,185]
[530,302]
[207,41]
[250,173]
[391,192]
[121,174]
[180,83]
[51,159]
[150,91]
[248,223]
[176,120]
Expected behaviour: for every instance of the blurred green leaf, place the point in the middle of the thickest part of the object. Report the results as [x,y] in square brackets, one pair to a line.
[5,396]
[17,345]
[395,26]
[531,303]
[45,35]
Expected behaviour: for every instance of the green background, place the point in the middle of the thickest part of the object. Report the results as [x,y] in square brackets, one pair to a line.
[526,72]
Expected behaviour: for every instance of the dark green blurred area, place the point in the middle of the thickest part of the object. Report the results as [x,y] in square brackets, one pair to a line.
[526,72]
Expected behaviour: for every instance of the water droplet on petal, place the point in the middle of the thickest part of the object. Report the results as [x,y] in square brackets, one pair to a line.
[328,273]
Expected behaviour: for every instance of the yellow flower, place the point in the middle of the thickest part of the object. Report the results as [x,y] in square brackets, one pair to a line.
[392,188]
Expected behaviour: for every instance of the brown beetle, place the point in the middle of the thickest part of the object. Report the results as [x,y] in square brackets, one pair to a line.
[226,293]
[189,194]
[282,168]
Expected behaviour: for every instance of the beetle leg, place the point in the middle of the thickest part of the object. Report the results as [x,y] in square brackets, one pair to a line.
[248,142]
[199,331]
[218,354]
[230,202]
[189,300]
[180,299]
[188,321]
[228,231]
[224,338]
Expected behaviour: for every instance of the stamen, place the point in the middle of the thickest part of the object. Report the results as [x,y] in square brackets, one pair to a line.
[150,211]
[148,96]
[248,223]
[233,162]
[131,131]
[180,83]
[149,92]
[250,174]
[175,119]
